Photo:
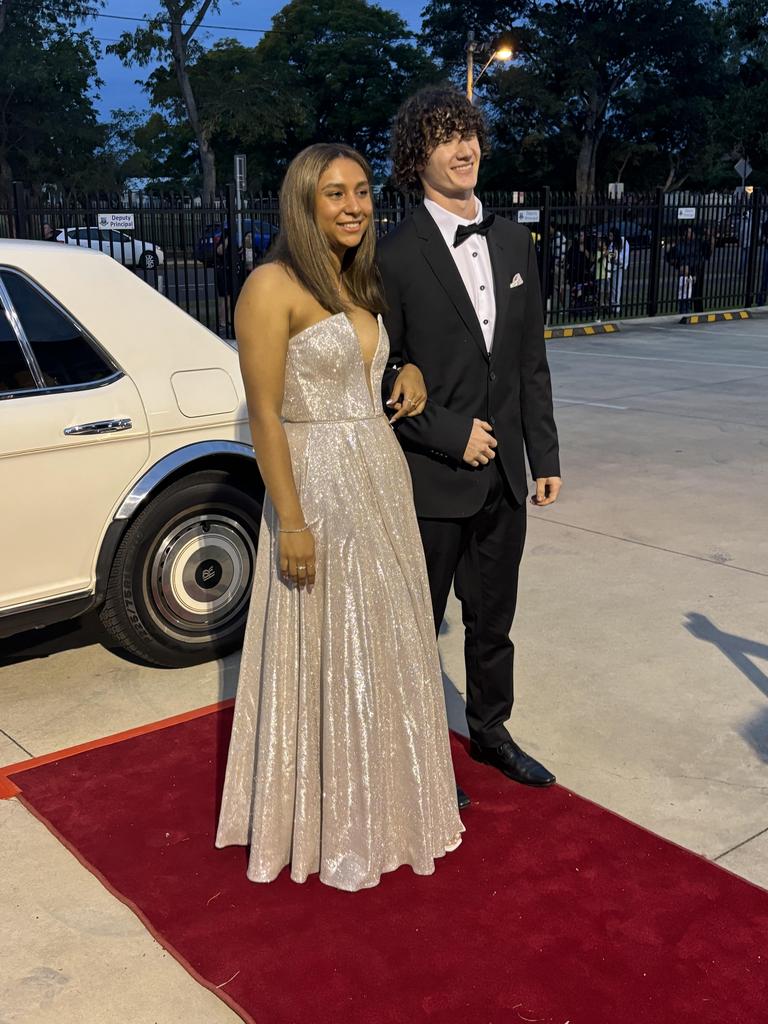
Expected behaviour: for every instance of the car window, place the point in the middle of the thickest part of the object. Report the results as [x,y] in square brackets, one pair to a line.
[65,356]
[14,372]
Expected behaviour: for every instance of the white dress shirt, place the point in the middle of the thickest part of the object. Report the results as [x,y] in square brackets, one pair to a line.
[473,262]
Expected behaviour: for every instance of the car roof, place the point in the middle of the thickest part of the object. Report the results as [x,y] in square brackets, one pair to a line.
[19,248]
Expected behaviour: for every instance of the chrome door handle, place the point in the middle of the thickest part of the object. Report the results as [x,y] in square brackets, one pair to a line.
[99,427]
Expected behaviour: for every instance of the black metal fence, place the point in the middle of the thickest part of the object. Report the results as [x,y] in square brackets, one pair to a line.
[600,257]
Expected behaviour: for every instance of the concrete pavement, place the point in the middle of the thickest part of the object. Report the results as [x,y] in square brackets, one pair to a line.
[642,668]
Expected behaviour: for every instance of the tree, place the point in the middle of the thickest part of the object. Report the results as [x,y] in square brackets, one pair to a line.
[576,58]
[348,65]
[48,122]
[744,27]
[169,36]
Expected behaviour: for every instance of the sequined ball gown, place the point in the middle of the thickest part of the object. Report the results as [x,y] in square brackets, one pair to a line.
[339,760]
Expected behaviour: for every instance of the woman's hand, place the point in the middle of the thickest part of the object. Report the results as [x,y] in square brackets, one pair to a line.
[297,558]
[409,395]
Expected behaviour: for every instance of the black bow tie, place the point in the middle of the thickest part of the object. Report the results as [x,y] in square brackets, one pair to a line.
[463,231]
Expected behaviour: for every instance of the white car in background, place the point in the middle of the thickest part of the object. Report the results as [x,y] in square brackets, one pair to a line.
[129,482]
[125,248]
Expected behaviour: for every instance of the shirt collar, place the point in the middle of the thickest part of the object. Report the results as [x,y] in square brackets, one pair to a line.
[447,222]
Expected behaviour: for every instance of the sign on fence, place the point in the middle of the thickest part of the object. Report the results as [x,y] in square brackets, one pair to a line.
[116,221]
[527,216]
[686,213]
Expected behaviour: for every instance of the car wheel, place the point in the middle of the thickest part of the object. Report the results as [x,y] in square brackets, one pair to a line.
[180,584]
[148,261]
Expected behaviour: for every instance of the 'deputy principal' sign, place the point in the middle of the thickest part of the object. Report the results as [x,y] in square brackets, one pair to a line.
[116,221]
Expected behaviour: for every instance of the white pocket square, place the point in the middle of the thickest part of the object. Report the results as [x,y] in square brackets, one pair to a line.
[516,281]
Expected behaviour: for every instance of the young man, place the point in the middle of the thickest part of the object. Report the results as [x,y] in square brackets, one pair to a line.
[465,306]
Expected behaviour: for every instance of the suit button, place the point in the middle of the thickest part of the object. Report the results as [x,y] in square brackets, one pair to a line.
[492,376]
[492,420]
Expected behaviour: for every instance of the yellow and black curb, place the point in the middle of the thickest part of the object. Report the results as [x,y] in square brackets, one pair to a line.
[579,332]
[712,318]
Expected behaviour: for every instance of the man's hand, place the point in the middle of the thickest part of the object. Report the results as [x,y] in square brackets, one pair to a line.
[481,444]
[547,490]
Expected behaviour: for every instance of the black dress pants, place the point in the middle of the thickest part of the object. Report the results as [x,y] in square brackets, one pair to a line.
[480,555]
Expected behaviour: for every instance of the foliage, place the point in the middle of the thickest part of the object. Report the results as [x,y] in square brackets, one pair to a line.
[48,123]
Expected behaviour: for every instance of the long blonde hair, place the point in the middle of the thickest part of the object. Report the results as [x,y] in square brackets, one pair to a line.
[303,247]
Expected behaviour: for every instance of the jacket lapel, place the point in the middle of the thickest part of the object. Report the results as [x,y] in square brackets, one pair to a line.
[500,284]
[441,262]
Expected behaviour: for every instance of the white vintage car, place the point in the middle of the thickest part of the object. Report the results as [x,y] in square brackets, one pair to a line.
[127,477]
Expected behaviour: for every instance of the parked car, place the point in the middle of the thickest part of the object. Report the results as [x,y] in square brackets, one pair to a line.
[634,233]
[129,481]
[125,248]
[729,228]
[262,234]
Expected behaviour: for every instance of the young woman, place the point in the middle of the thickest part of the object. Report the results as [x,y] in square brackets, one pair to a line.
[339,761]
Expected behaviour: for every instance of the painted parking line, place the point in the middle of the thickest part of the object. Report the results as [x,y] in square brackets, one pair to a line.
[656,359]
[596,405]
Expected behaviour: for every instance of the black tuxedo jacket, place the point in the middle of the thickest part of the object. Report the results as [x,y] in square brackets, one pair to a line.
[431,322]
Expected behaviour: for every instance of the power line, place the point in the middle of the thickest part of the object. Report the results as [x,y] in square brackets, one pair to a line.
[184,24]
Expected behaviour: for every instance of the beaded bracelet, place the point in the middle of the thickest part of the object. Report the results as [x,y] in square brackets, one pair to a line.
[281,530]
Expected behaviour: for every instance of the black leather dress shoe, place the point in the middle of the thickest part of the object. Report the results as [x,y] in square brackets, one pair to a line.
[462,798]
[513,762]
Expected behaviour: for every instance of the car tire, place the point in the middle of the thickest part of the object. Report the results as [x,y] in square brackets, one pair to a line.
[148,260]
[180,584]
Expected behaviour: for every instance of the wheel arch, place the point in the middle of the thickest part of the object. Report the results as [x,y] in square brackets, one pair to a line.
[232,456]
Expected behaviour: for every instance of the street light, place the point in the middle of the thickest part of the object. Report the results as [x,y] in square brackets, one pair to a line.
[503,53]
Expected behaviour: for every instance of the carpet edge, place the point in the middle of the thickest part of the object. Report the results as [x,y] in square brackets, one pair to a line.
[9,789]
[181,960]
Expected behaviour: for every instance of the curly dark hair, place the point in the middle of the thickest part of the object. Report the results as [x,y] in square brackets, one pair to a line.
[424,121]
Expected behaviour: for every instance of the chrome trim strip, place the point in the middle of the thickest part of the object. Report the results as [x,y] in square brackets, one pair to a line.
[21,337]
[173,461]
[99,427]
[7,396]
[46,602]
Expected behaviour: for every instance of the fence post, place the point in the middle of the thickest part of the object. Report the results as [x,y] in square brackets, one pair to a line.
[544,249]
[20,219]
[231,255]
[655,263]
[754,241]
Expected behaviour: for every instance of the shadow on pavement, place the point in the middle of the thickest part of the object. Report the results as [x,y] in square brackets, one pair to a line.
[61,636]
[739,651]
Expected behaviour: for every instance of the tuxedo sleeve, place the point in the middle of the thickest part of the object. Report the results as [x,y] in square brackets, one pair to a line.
[437,430]
[539,431]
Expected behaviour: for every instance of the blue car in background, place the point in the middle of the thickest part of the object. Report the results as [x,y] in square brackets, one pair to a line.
[261,231]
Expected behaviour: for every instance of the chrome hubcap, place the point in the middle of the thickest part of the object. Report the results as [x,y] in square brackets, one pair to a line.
[201,576]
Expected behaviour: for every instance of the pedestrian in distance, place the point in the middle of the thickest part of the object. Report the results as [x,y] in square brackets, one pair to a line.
[464,304]
[603,268]
[579,275]
[618,254]
[339,761]
[685,290]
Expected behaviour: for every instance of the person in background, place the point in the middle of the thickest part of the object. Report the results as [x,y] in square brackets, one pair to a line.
[246,254]
[618,254]
[603,267]
[578,274]
[224,282]
[49,233]
[685,289]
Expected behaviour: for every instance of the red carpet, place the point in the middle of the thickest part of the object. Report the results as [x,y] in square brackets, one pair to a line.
[553,910]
